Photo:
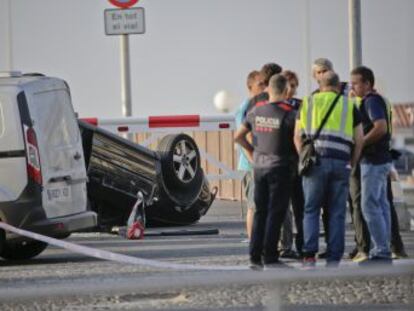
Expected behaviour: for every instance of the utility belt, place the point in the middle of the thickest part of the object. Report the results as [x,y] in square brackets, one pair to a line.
[373,150]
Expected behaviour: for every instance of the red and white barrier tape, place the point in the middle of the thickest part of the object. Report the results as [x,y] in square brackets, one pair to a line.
[176,123]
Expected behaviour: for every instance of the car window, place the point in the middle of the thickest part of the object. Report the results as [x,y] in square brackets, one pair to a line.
[56,118]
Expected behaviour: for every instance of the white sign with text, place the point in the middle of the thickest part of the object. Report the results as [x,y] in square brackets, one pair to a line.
[124,21]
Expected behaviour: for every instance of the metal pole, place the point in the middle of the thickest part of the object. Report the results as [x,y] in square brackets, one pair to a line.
[355,41]
[307,47]
[125,77]
[9,46]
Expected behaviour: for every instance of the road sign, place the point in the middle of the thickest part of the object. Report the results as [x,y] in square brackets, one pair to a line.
[124,21]
[123,4]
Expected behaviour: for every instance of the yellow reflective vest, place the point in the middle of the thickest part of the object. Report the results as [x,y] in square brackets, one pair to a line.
[336,137]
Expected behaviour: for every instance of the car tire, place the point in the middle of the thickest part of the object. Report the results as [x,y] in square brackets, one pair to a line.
[181,168]
[22,250]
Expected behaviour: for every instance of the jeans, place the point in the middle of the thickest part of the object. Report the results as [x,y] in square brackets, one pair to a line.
[376,208]
[327,183]
[271,196]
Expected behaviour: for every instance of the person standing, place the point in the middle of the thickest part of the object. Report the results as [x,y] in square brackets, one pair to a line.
[272,127]
[266,72]
[319,67]
[296,194]
[362,236]
[338,148]
[375,164]
[255,86]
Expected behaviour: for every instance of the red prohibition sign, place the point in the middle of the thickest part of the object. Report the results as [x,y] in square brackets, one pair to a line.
[124,4]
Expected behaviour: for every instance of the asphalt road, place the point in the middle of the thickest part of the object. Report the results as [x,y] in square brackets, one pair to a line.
[62,280]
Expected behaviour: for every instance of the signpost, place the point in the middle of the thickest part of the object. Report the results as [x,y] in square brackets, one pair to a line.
[125,21]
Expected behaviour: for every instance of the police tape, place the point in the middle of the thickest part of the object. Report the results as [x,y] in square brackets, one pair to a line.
[110,256]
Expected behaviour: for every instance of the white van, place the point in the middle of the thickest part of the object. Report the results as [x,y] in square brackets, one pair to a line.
[42,169]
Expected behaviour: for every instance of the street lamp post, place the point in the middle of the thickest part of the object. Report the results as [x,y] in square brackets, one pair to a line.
[125,76]
[355,41]
[9,46]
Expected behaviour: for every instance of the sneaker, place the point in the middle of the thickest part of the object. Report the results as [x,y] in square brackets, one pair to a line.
[309,262]
[399,255]
[353,253]
[360,257]
[256,265]
[245,241]
[289,253]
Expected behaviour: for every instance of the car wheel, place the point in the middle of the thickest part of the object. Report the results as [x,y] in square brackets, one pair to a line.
[22,250]
[180,160]
[182,175]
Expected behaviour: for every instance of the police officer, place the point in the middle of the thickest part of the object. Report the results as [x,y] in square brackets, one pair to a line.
[338,147]
[272,126]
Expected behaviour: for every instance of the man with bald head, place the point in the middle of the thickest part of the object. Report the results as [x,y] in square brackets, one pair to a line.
[338,148]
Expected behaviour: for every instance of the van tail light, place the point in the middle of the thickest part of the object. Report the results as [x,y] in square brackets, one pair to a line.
[33,160]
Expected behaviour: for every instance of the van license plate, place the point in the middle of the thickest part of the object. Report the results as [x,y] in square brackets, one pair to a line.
[61,194]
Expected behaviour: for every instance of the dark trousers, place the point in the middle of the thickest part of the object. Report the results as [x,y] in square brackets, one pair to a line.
[298,202]
[362,237]
[271,196]
[397,244]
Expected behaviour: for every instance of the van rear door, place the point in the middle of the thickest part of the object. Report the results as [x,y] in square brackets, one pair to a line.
[60,148]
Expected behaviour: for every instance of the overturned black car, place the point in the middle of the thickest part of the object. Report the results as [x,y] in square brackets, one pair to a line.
[171,180]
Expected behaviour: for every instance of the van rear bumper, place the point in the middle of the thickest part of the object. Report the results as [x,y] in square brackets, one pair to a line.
[56,227]
[61,227]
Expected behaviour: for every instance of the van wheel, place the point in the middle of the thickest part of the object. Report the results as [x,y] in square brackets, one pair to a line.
[180,161]
[22,250]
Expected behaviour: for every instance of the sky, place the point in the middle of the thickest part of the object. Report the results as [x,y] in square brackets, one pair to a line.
[192,48]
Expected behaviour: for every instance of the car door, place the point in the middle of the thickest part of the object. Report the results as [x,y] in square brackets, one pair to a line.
[61,155]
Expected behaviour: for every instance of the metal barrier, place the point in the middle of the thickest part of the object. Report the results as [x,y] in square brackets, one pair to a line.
[213,135]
